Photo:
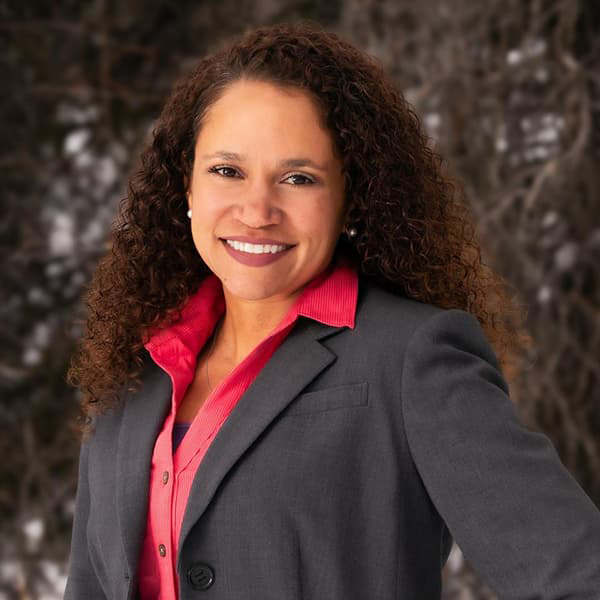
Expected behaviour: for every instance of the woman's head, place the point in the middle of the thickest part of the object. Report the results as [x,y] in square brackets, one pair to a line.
[414,236]
[265,173]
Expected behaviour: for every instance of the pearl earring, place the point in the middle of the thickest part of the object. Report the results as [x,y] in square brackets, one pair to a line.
[189,213]
[352,232]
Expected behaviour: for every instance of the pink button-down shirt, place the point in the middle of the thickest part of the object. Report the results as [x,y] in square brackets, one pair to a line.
[330,298]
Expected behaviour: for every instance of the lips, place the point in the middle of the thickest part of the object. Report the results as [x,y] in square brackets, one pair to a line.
[255,260]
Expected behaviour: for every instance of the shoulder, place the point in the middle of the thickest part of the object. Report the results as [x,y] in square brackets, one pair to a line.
[380,310]
[390,320]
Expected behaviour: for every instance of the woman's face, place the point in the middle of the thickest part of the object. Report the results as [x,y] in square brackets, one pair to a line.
[264,170]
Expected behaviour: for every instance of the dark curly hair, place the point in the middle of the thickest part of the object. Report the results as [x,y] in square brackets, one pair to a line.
[415,234]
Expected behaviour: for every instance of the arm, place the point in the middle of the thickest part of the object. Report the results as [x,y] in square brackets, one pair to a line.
[520,518]
[81,578]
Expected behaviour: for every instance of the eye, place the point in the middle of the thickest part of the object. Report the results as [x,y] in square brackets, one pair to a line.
[217,169]
[308,179]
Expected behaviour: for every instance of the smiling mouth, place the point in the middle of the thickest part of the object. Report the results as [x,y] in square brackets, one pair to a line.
[259,249]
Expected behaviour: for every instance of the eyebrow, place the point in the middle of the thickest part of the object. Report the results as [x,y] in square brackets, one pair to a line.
[288,162]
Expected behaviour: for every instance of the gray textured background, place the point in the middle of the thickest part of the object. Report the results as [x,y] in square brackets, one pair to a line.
[508,90]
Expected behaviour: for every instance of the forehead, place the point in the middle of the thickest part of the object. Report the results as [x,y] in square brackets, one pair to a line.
[266,116]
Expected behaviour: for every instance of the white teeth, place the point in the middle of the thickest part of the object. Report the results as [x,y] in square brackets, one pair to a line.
[255,248]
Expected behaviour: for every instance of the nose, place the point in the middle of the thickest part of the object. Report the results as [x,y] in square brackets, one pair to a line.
[258,207]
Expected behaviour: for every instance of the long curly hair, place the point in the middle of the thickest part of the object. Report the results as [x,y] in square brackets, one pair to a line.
[415,235]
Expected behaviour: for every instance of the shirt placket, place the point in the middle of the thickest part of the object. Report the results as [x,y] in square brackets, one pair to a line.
[165,488]
[165,484]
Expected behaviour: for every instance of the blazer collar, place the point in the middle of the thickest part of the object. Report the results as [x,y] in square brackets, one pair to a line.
[282,378]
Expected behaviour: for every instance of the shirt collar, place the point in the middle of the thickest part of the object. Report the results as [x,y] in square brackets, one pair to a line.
[330,298]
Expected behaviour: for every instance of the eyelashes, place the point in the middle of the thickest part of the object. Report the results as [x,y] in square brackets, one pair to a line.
[309,180]
[217,169]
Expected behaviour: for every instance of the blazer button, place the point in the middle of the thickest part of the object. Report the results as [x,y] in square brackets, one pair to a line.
[200,576]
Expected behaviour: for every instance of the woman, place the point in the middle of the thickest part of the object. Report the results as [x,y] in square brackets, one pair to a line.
[316,410]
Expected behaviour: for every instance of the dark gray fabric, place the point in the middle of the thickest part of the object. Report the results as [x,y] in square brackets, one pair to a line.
[344,472]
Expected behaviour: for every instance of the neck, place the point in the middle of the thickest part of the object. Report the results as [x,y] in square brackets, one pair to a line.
[246,323]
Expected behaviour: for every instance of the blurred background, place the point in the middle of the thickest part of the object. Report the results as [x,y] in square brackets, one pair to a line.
[509,92]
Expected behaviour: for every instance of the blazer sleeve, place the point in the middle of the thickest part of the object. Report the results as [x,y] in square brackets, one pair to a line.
[81,577]
[520,518]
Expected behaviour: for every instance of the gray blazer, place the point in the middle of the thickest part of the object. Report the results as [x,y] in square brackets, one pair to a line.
[344,472]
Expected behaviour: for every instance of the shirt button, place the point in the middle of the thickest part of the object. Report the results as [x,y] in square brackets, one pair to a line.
[162,550]
[165,477]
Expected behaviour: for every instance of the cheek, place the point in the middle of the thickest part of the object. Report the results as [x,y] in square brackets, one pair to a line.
[319,218]
[208,208]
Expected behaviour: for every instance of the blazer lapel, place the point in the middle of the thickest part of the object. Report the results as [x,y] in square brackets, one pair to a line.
[143,416]
[294,364]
